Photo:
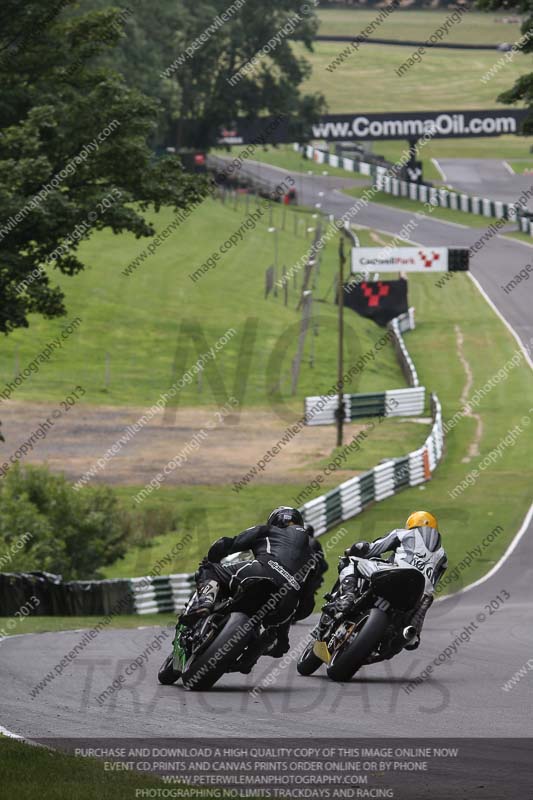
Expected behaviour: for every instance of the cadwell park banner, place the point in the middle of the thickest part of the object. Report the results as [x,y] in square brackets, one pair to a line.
[404,259]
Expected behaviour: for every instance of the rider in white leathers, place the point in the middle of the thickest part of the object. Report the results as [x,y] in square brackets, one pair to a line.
[417,545]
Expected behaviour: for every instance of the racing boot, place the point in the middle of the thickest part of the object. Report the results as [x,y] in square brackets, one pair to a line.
[204,600]
[413,630]
[281,644]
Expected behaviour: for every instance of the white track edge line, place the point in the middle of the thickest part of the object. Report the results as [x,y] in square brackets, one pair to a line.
[439,169]
[529,514]
[512,546]
[10,734]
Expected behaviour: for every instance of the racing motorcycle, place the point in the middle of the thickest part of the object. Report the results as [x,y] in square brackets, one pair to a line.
[230,639]
[373,629]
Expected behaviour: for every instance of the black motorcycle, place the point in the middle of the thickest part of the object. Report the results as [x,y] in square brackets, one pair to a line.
[373,629]
[230,639]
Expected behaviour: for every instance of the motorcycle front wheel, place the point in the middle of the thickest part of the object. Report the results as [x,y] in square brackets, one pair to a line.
[308,662]
[167,675]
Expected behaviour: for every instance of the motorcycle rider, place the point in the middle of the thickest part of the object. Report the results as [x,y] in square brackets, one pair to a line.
[315,579]
[416,545]
[282,552]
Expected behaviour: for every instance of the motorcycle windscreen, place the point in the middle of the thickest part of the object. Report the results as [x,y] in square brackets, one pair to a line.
[403,588]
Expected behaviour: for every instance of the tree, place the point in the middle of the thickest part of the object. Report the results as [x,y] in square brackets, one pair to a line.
[162,52]
[73,152]
[522,91]
[217,86]
[45,525]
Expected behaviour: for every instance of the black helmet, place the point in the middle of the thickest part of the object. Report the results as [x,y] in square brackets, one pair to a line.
[284,516]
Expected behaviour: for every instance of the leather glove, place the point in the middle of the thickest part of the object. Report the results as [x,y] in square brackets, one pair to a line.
[360,549]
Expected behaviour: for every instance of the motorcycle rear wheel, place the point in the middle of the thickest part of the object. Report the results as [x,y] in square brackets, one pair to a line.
[224,650]
[351,657]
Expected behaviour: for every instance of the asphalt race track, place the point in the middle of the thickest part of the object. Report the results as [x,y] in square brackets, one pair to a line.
[485,177]
[462,697]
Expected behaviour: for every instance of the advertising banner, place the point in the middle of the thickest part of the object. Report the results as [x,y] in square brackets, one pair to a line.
[399,259]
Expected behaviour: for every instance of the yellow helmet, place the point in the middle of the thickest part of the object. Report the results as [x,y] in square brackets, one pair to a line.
[421,518]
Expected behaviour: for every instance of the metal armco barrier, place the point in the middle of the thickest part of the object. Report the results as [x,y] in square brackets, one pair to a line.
[391,403]
[442,198]
[169,593]
[163,593]
[405,322]
[389,477]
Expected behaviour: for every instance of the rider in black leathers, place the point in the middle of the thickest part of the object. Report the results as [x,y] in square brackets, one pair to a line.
[283,552]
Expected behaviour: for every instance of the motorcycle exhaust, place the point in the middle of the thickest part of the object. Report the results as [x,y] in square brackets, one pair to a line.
[409,633]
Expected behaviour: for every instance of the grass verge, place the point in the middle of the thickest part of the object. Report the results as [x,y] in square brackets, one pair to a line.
[367,80]
[44,624]
[52,775]
[466,519]
[418,25]
[141,333]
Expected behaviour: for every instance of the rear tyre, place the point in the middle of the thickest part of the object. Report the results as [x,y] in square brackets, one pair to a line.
[308,662]
[223,652]
[351,657]
[167,674]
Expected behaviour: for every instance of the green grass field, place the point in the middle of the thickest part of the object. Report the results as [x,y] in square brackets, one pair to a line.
[141,316]
[53,775]
[285,157]
[444,79]
[521,166]
[464,520]
[513,149]
[522,237]
[503,148]
[137,320]
[44,624]
[474,28]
